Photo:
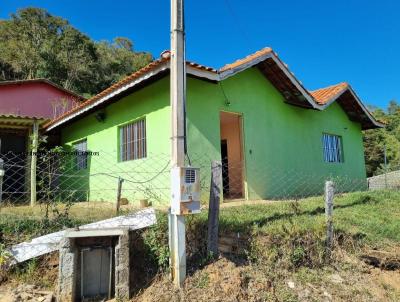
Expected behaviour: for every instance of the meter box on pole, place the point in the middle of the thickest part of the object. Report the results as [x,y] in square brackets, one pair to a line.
[185,190]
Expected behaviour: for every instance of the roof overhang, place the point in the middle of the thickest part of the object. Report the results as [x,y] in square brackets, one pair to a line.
[105,97]
[266,60]
[355,109]
[277,73]
[20,122]
[192,69]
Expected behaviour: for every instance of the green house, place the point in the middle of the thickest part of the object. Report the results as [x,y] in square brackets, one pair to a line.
[275,138]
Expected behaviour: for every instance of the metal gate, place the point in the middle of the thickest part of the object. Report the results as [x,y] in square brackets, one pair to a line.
[96,270]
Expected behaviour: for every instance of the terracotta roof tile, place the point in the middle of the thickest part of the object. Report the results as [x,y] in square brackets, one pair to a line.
[151,66]
[247,59]
[323,95]
[320,96]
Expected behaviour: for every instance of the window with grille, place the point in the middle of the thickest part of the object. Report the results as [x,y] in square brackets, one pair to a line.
[80,149]
[133,141]
[333,152]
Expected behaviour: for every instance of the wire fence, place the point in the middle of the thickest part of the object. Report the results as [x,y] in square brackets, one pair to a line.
[99,176]
[75,188]
[93,181]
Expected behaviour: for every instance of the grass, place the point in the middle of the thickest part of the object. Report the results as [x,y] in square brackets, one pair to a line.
[83,210]
[286,239]
[374,216]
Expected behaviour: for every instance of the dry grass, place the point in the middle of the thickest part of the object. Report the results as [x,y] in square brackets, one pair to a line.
[82,210]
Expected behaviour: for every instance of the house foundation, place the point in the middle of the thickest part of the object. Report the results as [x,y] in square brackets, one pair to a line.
[95,265]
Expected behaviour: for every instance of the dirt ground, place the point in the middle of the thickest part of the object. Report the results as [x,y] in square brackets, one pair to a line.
[224,280]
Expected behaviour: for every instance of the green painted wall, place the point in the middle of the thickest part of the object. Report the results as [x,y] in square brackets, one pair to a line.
[151,103]
[282,143]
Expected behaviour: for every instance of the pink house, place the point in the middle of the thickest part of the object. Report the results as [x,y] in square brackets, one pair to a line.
[37,98]
[25,105]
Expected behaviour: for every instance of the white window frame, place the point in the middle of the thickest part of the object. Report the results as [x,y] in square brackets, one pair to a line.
[133,140]
[332,146]
[81,157]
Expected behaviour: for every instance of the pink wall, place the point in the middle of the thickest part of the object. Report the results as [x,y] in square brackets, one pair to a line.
[34,99]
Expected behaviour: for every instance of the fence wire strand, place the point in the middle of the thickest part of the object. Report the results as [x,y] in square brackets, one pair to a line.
[85,186]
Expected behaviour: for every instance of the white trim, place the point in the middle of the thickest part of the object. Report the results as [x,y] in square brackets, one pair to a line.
[148,75]
[231,72]
[219,76]
[190,70]
[209,75]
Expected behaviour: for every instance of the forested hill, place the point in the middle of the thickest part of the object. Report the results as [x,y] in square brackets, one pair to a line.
[36,44]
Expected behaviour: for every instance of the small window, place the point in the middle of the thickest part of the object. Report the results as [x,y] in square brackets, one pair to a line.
[81,154]
[133,141]
[332,145]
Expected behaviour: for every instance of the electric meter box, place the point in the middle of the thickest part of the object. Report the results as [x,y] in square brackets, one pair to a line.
[185,190]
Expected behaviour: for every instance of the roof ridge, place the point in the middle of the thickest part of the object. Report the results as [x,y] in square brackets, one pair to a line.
[111,88]
[344,84]
[164,57]
[317,98]
[247,58]
[324,95]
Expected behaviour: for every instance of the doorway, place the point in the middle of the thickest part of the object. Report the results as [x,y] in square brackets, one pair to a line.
[232,155]
[13,147]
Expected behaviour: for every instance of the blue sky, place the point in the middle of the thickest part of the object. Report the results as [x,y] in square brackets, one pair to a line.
[323,42]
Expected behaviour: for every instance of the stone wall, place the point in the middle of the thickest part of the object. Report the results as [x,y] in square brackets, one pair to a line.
[67,270]
[69,283]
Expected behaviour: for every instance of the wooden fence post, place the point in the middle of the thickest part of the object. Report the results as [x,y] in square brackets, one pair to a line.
[35,144]
[118,204]
[213,209]
[329,194]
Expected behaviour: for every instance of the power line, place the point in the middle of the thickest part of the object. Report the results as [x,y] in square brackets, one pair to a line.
[237,21]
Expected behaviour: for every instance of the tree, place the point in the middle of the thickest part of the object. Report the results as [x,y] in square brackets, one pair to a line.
[36,44]
[376,140]
[116,60]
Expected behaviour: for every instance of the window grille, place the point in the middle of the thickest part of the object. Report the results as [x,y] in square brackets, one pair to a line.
[133,141]
[81,154]
[332,145]
[190,176]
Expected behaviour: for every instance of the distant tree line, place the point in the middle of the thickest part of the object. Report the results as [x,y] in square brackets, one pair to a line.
[376,140]
[36,44]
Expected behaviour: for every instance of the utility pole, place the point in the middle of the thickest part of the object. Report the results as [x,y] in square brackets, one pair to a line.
[178,95]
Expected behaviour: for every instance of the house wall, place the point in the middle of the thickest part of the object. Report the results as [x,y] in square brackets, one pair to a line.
[99,180]
[35,99]
[282,143]
[231,132]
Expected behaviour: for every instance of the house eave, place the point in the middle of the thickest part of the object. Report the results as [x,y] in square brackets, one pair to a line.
[373,121]
[196,72]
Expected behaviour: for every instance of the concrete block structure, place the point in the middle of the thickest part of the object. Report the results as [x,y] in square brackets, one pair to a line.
[95,265]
